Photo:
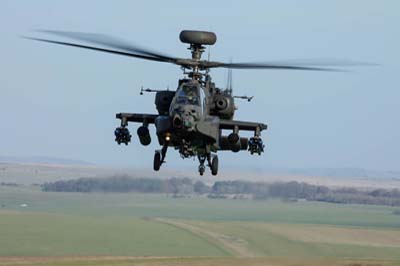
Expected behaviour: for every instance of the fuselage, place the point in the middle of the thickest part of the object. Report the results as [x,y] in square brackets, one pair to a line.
[191,121]
[188,111]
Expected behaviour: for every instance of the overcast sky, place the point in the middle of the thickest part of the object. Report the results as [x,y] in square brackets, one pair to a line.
[61,101]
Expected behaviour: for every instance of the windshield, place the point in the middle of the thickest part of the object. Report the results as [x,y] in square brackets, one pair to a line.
[188,95]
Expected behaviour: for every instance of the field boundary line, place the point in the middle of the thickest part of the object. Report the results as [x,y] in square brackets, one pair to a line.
[236,247]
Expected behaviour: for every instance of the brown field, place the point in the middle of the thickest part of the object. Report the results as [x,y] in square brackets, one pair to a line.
[308,233]
[335,234]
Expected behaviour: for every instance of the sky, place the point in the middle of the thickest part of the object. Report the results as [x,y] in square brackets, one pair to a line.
[61,101]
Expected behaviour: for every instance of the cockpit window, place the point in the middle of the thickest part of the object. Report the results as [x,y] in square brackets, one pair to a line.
[188,95]
[188,100]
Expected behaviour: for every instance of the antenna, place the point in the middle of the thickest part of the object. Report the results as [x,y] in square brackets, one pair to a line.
[229,81]
[229,84]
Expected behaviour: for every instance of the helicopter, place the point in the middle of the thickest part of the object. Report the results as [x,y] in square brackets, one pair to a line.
[193,118]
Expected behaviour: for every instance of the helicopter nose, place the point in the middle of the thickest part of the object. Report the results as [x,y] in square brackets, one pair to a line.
[183,120]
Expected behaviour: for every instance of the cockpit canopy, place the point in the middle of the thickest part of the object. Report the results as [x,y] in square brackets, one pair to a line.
[188,94]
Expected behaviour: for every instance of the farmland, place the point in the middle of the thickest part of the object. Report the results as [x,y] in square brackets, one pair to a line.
[45,228]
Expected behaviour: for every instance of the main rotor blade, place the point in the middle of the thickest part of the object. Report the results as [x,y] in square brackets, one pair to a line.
[305,64]
[111,42]
[210,64]
[330,62]
[100,49]
[120,47]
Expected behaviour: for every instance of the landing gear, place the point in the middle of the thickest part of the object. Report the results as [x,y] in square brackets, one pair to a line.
[212,162]
[157,161]
[159,157]
[122,135]
[202,169]
[214,165]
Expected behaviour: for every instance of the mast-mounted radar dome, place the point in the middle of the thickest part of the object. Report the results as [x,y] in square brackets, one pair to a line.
[198,37]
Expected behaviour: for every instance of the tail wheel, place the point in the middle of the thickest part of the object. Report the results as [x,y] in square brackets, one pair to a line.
[214,165]
[202,169]
[157,161]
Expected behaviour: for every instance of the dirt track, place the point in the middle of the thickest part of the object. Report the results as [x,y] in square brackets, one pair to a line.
[235,246]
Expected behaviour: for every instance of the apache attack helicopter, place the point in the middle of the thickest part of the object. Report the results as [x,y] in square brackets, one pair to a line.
[192,118]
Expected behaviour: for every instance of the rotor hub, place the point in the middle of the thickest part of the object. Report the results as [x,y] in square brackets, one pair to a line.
[197,40]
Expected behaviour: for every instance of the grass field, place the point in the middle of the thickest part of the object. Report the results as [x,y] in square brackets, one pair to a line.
[155,205]
[41,234]
[139,229]
[308,241]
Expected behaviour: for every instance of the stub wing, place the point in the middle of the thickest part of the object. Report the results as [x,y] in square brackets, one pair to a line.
[236,143]
[135,117]
[241,125]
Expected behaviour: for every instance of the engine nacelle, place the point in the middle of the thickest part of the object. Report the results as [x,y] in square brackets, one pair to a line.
[144,135]
[223,106]
[163,101]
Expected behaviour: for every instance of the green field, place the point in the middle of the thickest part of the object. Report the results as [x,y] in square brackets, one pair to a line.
[118,229]
[41,234]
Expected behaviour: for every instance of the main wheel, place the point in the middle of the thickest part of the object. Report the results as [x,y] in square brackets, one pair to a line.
[157,161]
[214,165]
